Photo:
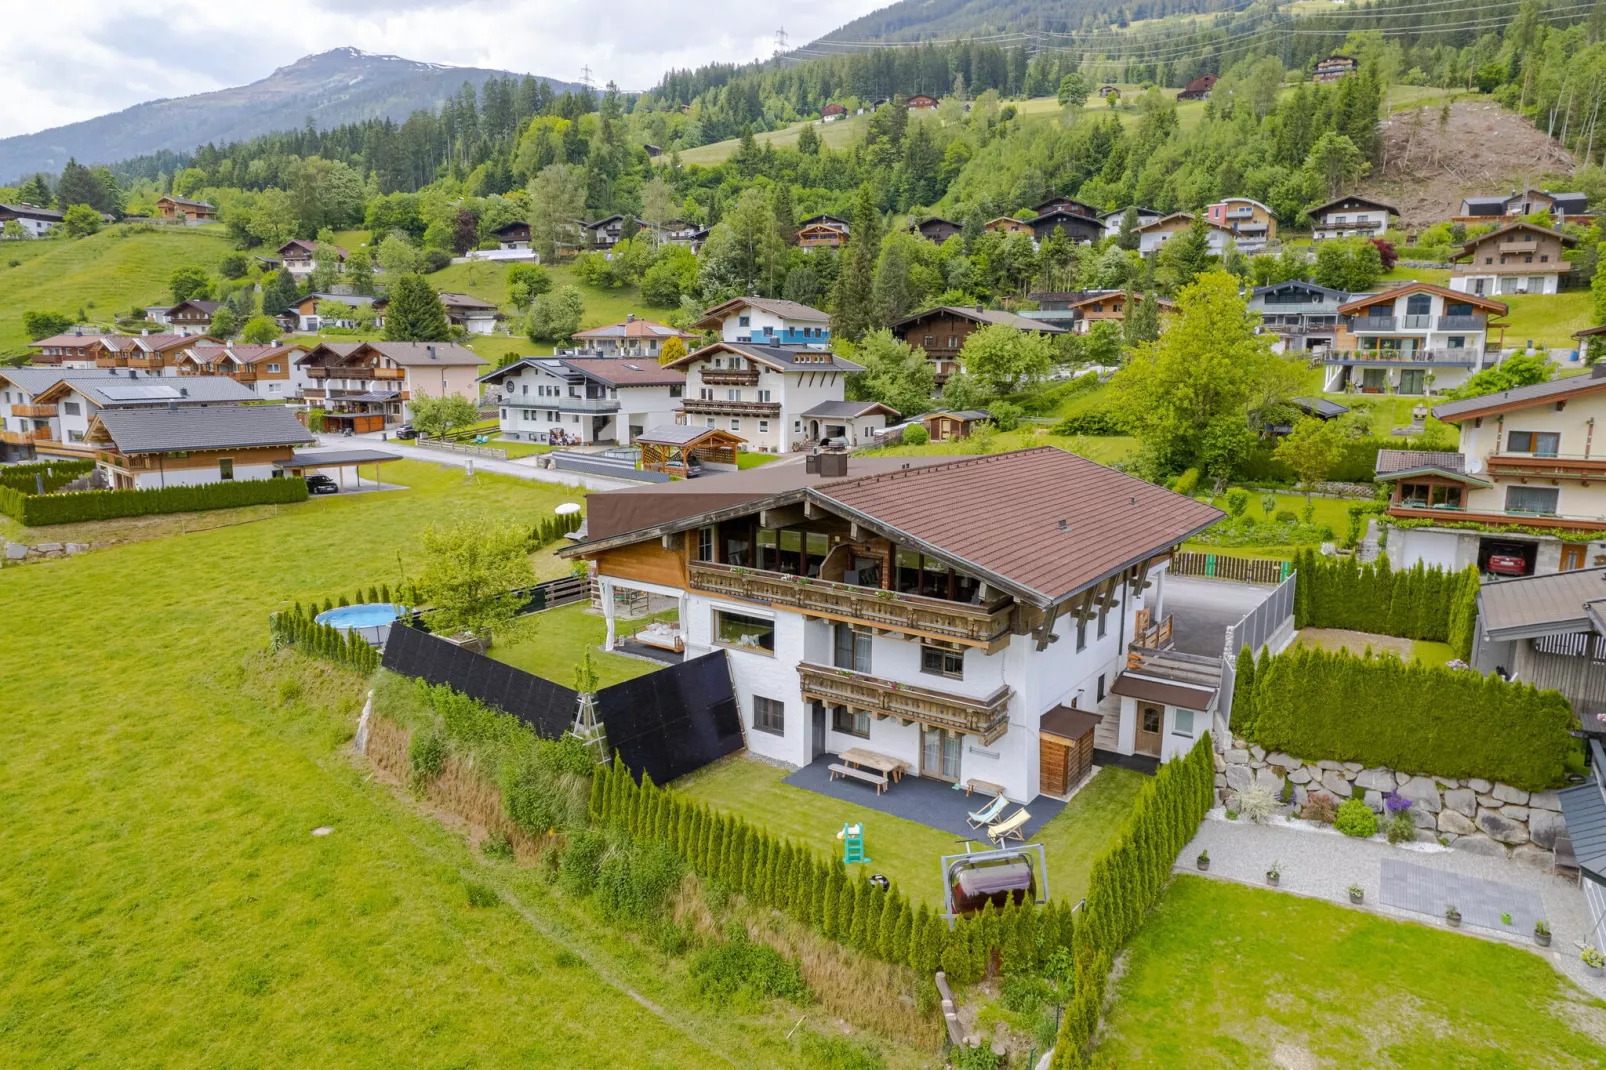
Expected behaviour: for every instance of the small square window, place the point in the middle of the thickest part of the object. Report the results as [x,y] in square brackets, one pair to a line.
[1182,723]
[769,715]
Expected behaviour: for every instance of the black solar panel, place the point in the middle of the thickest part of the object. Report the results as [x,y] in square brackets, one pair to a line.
[673,721]
[546,707]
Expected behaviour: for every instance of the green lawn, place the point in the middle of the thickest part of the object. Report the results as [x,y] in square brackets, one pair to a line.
[1103,449]
[163,900]
[487,280]
[908,852]
[1223,975]
[748,459]
[561,636]
[105,274]
[1547,319]
[1426,651]
[1402,273]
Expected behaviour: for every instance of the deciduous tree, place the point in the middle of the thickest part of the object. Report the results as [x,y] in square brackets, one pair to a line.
[474,575]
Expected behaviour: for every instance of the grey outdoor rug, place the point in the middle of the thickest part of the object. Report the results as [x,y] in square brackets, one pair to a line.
[1481,902]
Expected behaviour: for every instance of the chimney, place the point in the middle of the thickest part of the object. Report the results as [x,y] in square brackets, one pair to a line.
[172,406]
[144,332]
[133,373]
[183,391]
[431,350]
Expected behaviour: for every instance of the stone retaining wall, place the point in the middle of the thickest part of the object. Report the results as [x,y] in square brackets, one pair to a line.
[17,553]
[1469,814]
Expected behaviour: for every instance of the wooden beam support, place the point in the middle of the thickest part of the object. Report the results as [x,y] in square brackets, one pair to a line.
[1045,631]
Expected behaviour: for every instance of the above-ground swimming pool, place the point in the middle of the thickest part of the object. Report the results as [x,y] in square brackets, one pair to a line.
[372,620]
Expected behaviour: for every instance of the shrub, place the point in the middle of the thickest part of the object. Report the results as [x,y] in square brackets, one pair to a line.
[1257,803]
[1355,818]
[916,435]
[39,324]
[1187,482]
[742,967]
[577,868]
[1379,711]
[1237,502]
[497,847]
[981,1057]
[426,754]
[1320,807]
[26,478]
[432,260]
[1401,828]
[1006,415]
[1091,422]
[635,880]
[36,511]
[838,1053]
[1024,993]
[480,895]
[1286,516]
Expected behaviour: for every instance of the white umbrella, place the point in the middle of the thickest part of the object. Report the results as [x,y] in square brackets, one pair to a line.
[567,509]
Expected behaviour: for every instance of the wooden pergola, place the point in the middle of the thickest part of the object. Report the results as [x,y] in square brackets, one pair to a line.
[670,449]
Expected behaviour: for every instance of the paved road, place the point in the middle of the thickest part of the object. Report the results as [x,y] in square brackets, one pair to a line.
[1203,610]
[523,468]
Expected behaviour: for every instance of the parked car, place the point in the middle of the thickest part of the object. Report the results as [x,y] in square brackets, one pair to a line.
[406,431]
[1507,565]
[318,483]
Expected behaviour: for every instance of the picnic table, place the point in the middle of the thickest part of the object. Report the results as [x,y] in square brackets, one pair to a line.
[869,759]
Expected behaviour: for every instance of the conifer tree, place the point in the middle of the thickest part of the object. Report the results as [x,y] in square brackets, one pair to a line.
[886,941]
[872,920]
[852,301]
[831,903]
[1243,695]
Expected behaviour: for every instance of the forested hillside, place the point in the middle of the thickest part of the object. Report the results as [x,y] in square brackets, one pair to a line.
[918,20]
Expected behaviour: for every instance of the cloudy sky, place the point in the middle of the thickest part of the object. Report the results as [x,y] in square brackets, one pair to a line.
[118,53]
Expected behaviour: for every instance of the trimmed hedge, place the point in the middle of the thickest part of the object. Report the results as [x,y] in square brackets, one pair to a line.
[21,477]
[817,890]
[37,511]
[299,627]
[1125,882]
[1380,711]
[1418,603]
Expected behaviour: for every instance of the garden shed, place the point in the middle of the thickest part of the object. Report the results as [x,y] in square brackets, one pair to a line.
[680,449]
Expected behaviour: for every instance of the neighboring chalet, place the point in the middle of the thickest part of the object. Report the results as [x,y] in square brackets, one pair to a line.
[180,210]
[761,392]
[963,615]
[36,221]
[938,230]
[1253,225]
[1303,315]
[1151,236]
[269,371]
[767,321]
[921,102]
[1526,462]
[316,311]
[362,386]
[153,354]
[190,318]
[1199,88]
[604,233]
[1518,258]
[1563,207]
[1106,91]
[512,236]
[174,447]
[24,421]
[942,331]
[1009,225]
[1351,216]
[832,112]
[1079,221]
[1112,220]
[79,400]
[73,348]
[822,235]
[848,423]
[678,232]
[470,313]
[1412,339]
[300,257]
[1078,310]
[1334,68]
[1550,631]
[631,338]
[575,401]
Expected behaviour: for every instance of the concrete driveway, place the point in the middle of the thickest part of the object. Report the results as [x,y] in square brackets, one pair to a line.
[1203,610]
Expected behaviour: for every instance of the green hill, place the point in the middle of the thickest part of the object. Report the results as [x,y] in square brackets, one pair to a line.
[105,274]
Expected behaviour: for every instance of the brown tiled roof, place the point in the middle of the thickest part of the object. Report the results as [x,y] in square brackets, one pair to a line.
[1166,694]
[1405,460]
[1002,515]
[1067,722]
[624,371]
[634,328]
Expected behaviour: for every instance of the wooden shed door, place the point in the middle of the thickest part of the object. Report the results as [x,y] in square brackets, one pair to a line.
[1150,718]
[1054,766]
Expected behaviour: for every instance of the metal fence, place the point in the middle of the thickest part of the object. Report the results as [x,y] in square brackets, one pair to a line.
[601,464]
[490,453]
[1225,567]
[1258,628]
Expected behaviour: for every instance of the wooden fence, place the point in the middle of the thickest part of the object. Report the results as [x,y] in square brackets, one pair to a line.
[487,452]
[1224,567]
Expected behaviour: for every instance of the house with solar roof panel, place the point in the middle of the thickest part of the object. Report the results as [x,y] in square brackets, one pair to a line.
[994,622]
[151,447]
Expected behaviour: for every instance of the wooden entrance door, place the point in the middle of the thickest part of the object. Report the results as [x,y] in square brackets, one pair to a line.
[1150,719]
[1572,555]
[1054,764]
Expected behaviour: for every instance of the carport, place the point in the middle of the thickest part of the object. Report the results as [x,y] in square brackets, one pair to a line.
[300,464]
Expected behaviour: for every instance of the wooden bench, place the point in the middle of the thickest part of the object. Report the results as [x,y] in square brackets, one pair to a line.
[865,775]
[983,785]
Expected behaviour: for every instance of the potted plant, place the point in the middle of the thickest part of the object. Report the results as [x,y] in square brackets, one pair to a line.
[1452,915]
[1203,861]
[1542,933]
[1274,874]
[1594,961]
[1356,893]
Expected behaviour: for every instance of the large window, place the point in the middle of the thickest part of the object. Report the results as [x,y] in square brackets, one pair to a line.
[1430,496]
[1532,500]
[769,715]
[850,722]
[743,632]
[939,662]
[852,648]
[705,543]
[1539,443]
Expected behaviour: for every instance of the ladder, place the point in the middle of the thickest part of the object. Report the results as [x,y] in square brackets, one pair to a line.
[852,837]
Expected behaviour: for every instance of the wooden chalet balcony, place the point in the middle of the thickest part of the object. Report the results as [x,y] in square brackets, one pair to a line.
[1551,465]
[34,412]
[986,718]
[1518,247]
[26,438]
[1499,516]
[389,373]
[1153,634]
[1457,358]
[111,362]
[718,407]
[730,377]
[984,626]
[145,362]
[1549,267]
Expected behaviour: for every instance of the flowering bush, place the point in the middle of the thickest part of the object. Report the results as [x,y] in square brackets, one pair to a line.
[1395,803]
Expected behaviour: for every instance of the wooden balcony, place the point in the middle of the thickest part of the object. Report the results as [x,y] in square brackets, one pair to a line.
[717,407]
[983,626]
[1152,634]
[1551,466]
[730,377]
[389,373]
[1497,516]
[986,718]
[34,412]
[25,438]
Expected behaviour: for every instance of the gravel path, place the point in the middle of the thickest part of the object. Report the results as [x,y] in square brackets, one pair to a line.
[1322,863]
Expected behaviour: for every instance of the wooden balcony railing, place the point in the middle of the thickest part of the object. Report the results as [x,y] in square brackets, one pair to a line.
[729,377]
[1547,465]
[720,407]
[986,718]
[390,373]
[25,438]
[1153,634]
[34,412]
[984,626]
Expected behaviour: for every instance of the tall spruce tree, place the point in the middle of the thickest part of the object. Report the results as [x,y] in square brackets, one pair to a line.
[415,313]
[853,301]
[1243,694]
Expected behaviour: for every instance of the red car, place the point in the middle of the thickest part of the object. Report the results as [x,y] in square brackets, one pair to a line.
[1507,565]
